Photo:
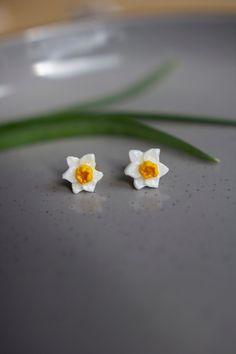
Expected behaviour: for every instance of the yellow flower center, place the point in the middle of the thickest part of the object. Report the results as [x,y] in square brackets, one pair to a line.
[84,173]
[148,169]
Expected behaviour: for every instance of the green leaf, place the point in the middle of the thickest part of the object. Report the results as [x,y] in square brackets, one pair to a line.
[136,88]
[82,124]
[180,118]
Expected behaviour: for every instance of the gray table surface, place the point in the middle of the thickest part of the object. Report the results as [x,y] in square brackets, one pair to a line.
[120,271]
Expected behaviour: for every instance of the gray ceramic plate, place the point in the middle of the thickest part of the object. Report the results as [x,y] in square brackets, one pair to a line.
[119,271]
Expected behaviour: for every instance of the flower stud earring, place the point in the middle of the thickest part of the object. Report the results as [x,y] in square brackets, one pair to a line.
[145,168]
[82,173]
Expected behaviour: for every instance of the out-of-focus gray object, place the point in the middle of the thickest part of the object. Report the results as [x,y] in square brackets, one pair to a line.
[119,271]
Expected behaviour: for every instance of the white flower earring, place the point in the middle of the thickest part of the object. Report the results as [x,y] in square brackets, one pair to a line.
[145,168]
[82,173]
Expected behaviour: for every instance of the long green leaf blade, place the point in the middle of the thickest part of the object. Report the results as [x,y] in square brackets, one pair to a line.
[149,116]
[63,126]
[179,118]
[153,77]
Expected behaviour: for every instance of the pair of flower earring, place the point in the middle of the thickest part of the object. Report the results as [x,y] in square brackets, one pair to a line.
[144,167]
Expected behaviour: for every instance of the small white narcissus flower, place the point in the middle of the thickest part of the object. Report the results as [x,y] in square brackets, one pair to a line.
[82,173]
[145,168]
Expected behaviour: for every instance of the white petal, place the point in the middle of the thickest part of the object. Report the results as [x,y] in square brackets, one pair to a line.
[135,155]
[97,175]
[163,169]
[89,159]
[89,187]
[139,183]
[132,170]
[152,154]
[69,175]
[152,182]
[72,161]
[76,188]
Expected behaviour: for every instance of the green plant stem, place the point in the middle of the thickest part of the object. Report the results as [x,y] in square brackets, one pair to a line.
[180,118]
[154,77]
[63,126]
[149,116]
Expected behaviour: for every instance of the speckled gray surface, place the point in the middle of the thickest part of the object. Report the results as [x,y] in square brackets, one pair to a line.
[122,271]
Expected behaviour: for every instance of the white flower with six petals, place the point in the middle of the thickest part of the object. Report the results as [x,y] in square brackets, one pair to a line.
[145,168]
[82,173]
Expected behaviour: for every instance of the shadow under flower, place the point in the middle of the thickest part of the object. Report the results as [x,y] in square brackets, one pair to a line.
[87,203]
[148,200]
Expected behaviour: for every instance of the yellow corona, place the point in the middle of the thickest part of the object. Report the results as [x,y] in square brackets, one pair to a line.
[84,174]
[148,169]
